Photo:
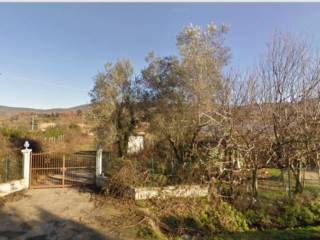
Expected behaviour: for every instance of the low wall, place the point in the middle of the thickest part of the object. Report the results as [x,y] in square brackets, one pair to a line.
[143,193]
[12,186]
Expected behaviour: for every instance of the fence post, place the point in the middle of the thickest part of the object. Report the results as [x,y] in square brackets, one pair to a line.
[99,161]
[26,163]
[6,174]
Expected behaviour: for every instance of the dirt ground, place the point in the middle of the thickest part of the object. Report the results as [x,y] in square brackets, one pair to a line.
[50,214]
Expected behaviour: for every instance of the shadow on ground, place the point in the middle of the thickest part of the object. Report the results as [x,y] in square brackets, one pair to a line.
[42,224]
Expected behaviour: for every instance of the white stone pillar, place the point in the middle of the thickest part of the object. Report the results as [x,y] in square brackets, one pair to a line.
[99,162]
[26,165]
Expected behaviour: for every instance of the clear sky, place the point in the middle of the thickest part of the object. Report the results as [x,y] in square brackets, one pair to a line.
[50,52]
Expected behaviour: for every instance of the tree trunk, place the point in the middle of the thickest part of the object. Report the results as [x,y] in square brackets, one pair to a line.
[120,154]
[318,170]
[255,182]
[303,177]
[282,178]
[298,187]
[289,182]
[298,177]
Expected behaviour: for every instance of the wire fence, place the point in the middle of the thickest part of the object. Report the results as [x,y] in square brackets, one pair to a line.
[10,168]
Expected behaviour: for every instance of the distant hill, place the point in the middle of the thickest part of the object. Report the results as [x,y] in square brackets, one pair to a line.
[5,110]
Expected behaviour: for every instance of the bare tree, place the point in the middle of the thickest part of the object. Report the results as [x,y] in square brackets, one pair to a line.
[288,78]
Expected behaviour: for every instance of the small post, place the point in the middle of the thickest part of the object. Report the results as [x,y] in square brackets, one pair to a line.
[99,161]
[26,163]
[6,170]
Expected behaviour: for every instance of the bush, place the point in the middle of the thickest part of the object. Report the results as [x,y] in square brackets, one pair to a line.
[207,220]
[258,219]
[301,211]
[314,206]
[230,220]
[12,140]
[123,174]
[53,132]
[12,133]
[147,233]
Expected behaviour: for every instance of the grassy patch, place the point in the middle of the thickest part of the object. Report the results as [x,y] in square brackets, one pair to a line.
[271,188]
[314,188]
[274,172]
[270,195]
[307,233]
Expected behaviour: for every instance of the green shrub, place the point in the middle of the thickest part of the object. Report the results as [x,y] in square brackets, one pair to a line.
[172,221]
[12,133]
[147,233]
[258,219]
[232,219]
[289,216]
[207,220]
[53,132]
[297,213]
[314,206]
[301,211]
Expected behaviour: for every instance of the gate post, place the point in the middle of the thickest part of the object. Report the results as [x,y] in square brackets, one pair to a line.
[26,163]
[99,162]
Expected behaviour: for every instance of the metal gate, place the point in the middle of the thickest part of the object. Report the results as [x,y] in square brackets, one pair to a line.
[62,170]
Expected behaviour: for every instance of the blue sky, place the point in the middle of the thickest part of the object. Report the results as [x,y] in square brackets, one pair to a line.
[50,52]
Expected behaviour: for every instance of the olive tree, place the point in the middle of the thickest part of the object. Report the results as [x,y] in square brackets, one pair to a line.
[182,90]
[112,105]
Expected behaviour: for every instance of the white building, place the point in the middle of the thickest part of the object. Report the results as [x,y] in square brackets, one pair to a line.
[136,143]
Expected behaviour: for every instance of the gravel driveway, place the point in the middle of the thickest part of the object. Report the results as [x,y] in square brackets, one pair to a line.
[57,214]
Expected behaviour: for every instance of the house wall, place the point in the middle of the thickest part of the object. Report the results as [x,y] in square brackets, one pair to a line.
[135,144]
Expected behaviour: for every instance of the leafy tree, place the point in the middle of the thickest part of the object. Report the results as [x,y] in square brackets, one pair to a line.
[183,91]
[112,106]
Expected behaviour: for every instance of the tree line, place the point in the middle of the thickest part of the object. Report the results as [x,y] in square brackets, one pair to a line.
[209,122]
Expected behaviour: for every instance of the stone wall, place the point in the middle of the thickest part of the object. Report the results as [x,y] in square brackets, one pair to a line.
[184,191]
[143,193]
